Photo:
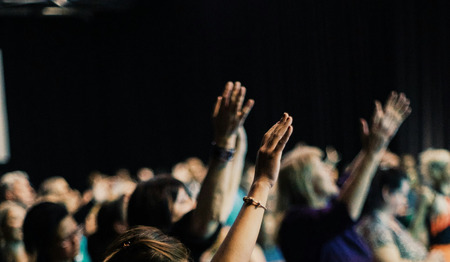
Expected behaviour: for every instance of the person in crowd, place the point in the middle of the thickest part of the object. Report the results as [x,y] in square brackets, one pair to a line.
[51,234]
[12,215]
[57,189]
[435,168]
[16,186]
[389,240]
[319,217]
[144,174]
[149,244]
[165,202]
[111,222]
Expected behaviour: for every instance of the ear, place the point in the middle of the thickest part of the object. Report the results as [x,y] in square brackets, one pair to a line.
[385,194]
[9,195]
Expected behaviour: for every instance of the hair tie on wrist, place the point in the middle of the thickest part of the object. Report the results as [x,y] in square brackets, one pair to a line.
[223,154]
[250,201]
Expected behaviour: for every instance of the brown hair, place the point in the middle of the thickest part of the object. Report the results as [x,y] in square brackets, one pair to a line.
[146,244]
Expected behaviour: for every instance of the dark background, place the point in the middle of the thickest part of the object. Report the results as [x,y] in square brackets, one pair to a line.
[135,86]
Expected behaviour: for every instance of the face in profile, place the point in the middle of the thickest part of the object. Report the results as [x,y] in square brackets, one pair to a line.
[67,240]
[323,179]
[397,200]
[23,192]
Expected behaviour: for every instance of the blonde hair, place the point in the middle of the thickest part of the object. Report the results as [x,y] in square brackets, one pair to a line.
[432,161]
[295,179]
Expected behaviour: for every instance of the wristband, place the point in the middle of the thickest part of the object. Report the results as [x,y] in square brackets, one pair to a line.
[223,154]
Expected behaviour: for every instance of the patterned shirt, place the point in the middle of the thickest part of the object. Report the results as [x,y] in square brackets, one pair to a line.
[377,233]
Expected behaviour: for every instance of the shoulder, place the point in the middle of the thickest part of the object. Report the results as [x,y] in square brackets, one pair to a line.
[376,233]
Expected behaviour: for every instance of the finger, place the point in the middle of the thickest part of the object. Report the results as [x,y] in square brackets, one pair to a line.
[285,138]
[269,133]
[234,96]
[400,101]
[240,98]
[364,127]
[217,106]
[377,114]
[392,99]
[226,93]
[279,131]
[246,110]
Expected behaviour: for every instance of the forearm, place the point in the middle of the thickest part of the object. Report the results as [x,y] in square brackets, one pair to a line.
[240,241]
[356,188]
[212,196]
[234,176]
[418,227]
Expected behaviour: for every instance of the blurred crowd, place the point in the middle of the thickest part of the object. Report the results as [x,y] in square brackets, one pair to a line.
[380,207]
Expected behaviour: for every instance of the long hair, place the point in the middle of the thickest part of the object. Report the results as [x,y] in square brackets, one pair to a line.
[146,244]
[295,185]
[40,228]
[149,203]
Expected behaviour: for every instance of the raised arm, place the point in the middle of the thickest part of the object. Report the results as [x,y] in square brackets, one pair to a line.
[241,239]
[385,123]
[229,114]
[235,173]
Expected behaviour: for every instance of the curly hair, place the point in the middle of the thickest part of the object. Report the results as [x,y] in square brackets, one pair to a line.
[434,165]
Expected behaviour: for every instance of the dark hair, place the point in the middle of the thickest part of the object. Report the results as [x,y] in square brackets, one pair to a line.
[391,179]
[109,213]
[40,227]
[149,203]
[146,244]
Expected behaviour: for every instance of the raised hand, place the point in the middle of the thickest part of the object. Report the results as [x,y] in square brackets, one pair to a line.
[230,113]
[386,121]
[375,140]
[269,154]
[241,239]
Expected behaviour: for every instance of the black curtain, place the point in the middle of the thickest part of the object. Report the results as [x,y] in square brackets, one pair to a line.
[136,87]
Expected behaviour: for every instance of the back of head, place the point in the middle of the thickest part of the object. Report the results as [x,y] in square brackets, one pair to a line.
[146,244]
[295,179]
[109,214]
[149,205]
[40,227]
[54,186]
[390,179]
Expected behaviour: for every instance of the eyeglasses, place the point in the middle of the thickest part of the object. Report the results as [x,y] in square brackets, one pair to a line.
[77,233]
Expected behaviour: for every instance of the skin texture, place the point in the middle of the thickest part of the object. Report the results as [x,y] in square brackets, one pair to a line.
[240,241]
[220,183]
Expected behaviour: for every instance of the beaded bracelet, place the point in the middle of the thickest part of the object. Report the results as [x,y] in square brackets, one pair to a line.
[250,201]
